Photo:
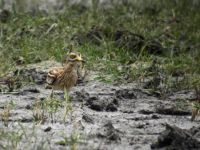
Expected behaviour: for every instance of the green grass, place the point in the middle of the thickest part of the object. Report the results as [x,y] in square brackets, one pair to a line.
[40,37]
[11,138]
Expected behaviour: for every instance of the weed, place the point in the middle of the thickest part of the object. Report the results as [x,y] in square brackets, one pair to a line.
[10,139]
[41,108]
[195,110]
[38,112]
[196,105]
[6,113]
[72,141]
[51,106]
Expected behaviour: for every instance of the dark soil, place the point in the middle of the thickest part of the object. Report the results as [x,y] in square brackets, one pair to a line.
[122,38]
[176,138]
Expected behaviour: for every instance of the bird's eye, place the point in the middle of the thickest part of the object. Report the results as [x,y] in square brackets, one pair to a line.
[72,56]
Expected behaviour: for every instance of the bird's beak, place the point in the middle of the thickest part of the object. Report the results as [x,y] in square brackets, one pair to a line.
[79,58]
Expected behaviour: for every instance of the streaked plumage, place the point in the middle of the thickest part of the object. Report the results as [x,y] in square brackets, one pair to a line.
[64,78]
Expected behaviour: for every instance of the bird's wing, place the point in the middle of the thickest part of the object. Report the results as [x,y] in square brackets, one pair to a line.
[53,74]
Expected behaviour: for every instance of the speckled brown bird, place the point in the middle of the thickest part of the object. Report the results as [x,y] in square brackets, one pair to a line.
[64,78]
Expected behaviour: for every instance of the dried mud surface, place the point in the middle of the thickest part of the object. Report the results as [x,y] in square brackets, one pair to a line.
[105,116]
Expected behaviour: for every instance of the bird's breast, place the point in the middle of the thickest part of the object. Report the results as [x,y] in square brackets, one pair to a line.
[67,80]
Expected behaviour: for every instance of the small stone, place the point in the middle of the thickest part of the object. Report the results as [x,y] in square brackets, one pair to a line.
[28,107]
[47,129]
[88,118]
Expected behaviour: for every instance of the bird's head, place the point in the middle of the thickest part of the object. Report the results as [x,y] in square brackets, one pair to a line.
[74,57]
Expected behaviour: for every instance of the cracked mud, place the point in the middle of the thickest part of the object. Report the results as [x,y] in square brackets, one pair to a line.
[105,116]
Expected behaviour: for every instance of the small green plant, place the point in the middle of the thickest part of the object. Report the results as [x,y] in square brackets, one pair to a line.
[6,113]
[51,106]
[2,3]
[195,110]
[42,108]
[39,112]
[71,141]
[196,105]
[10,139]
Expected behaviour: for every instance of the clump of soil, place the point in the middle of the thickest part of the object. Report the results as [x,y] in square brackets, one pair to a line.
[102,103]
[4,15]
[88,118]
[109,132]
[152,83]
[154,47]
[122,38]
[176,138]
[9,84]
[128,40]
[172,109]
[94,35]
[39,77]
[125,94]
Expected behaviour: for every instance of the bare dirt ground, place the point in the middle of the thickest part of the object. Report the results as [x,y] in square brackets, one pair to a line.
[102,116]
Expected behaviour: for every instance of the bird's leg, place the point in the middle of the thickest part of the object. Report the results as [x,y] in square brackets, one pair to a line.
[66,94]
[52,93]
[66,104]
[52,120]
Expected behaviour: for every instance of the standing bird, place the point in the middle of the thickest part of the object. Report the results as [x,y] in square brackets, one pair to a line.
[64,78]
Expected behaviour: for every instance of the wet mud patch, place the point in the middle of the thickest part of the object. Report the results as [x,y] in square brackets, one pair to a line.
[98,115]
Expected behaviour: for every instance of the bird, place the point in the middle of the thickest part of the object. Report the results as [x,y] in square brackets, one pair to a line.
[64,78]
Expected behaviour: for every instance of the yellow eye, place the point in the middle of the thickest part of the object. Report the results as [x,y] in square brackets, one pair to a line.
[72,56]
